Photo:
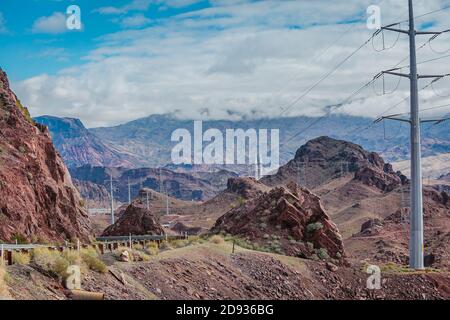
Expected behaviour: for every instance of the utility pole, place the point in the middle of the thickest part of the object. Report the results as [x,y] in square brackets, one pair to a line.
[112,198]
[416,243]
[167,203]
[129,192]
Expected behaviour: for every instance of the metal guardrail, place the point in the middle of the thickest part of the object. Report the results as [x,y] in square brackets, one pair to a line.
[138,238]
[23,246]
[103,244]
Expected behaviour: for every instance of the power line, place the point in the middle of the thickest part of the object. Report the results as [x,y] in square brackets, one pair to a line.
[340,105]
[327,75]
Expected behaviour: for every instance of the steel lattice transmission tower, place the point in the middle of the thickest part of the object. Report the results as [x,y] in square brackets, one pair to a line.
[416,244]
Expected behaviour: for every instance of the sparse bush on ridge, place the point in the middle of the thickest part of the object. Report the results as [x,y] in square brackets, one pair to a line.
[322,253]
[314,227]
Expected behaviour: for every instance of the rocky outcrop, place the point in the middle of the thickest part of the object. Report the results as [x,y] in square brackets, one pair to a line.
[323,159]
[390,243]
[136,220]
[97,194]
[37,198]
[245,187]
[380,176]
[287,220]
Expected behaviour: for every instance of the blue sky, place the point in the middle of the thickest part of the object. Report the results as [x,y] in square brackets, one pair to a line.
[207,59]
[27,51]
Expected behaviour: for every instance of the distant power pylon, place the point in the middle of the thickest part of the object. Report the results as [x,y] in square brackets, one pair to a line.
[129,191]
[112,197]
[416,245]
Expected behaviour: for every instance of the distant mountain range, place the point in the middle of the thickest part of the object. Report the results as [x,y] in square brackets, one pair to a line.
[146,142]
[78,146]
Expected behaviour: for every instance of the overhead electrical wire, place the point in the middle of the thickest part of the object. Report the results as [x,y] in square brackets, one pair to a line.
[294,102]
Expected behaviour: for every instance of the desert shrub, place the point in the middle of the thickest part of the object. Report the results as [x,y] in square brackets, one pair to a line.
[165,246]
[314,227]
[73,257]
[152,251]
[195,239]
[322,253]
[25,112]
[216,239]
[91,259]
[138,247]
[179,243]
[21,239]
[3,286]
[314,257]
[48,260]
[241,201]
[57,263]
[151,245]
[151,248]
[21,258]
[139,256]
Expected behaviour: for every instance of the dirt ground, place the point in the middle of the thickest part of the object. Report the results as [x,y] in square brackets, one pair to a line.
[212,271]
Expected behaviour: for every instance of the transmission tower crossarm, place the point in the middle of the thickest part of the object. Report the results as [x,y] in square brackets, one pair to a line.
[395,30]
[393,117]
[419,33]
[428,76]
[398,74]
[437,121]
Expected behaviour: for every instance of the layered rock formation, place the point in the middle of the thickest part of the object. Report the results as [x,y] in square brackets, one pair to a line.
[136,220]
[96,194]
[37,198]
[79,147]
[287,220]
[323,159]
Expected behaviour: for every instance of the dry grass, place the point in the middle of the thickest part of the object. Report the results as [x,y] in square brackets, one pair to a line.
[3,287]
[152,249]
[50,261]
[57,263]
[216,239]
[21,258]
[92,261]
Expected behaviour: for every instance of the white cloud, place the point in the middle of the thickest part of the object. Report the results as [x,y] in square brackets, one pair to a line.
[137,20]
[230,61]
[135,5]
[54,24]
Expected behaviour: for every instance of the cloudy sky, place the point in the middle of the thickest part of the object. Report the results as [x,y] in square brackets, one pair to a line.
[215,59]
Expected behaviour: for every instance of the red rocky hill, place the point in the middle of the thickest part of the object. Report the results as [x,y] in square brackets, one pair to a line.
[136,220]
[287,220]
[37,198]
